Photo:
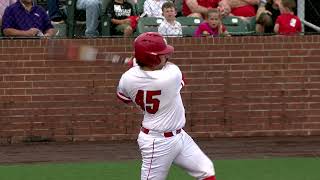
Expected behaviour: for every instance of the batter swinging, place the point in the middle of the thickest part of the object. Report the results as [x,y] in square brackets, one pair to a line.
[155,86]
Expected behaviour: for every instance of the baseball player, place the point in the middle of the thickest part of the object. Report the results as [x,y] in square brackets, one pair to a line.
[154,86]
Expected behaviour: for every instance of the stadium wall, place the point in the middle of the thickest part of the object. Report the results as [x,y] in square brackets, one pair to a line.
[236,86]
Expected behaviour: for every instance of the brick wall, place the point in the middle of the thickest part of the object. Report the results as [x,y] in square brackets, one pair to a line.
[237,86]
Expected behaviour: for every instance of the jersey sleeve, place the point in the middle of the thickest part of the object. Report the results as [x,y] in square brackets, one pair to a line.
[183,81]
[121,92]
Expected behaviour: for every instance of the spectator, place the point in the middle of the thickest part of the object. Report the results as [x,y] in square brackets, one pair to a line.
[92,8]
[122,17]
[3,5]
[242,8]
[198,8]
[266,16]
[23,18]
[54,11]
[153,8]
[287,23]
[169,26]
[212,26]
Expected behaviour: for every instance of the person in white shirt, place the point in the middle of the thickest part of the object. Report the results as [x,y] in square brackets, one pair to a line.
[169,27]
[153,7]
[154,86]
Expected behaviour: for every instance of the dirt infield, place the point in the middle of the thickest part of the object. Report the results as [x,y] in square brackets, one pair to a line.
[218,148]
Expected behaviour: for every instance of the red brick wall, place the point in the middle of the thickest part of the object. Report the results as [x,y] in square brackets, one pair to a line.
[238,86]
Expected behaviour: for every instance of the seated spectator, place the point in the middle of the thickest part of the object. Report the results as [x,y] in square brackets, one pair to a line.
[3,5]
[153,7]
[266,16]
[212,26]
[54,11]
[93,9]
[198,8]
[122,16]
[23,18]
[287,23]
[169,27]
[242,8]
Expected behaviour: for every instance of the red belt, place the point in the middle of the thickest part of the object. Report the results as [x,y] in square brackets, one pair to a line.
[166,134]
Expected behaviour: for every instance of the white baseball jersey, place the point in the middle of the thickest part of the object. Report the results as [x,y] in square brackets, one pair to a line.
[158,95]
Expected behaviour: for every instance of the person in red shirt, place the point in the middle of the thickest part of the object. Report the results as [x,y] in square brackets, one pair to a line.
[287,23]
[198,8]
[242,8]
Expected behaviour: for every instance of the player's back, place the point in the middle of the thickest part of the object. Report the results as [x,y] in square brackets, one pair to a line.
[158,95]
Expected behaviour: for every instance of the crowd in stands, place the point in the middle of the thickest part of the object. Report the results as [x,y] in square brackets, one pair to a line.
[25,18]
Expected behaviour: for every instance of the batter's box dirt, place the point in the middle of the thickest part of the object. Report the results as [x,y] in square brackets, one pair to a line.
[217,148]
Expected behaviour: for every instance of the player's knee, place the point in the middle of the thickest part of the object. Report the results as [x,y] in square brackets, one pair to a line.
[208,171]
[210,178]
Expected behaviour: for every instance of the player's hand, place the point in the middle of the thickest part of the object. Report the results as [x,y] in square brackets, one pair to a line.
[32,32]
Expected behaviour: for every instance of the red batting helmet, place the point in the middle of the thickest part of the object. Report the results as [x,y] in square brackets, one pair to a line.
[148,46]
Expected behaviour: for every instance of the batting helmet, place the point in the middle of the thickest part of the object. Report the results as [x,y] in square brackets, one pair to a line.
[148,46]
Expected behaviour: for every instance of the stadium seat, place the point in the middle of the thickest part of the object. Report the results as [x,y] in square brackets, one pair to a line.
[189,24]
[105,20]
[61,29]
[178,4]
[139,7]
[148,24]
[237,26]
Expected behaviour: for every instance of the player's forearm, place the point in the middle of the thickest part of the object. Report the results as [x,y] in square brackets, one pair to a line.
[14,32]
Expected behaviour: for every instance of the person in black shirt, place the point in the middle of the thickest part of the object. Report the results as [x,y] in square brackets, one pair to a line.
[122,17]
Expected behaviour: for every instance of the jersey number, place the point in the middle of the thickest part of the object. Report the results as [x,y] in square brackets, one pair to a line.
[152,104]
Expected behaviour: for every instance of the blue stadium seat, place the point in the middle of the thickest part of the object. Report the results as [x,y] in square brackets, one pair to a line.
[238,26]
[148,24]
[189,24]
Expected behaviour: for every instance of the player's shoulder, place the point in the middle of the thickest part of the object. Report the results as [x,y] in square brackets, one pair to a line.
[172,67]
[130,71]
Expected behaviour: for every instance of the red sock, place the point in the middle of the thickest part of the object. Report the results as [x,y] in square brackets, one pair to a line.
[210,178]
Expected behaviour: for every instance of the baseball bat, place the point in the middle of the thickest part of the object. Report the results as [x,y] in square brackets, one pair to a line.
[63,50]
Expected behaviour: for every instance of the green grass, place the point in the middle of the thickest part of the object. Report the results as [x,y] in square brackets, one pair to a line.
[257,169]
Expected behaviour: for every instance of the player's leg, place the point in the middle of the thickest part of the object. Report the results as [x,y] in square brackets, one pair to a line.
[157,156]
[194,161]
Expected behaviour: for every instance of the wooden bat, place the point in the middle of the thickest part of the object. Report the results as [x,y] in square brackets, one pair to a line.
[64,50]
